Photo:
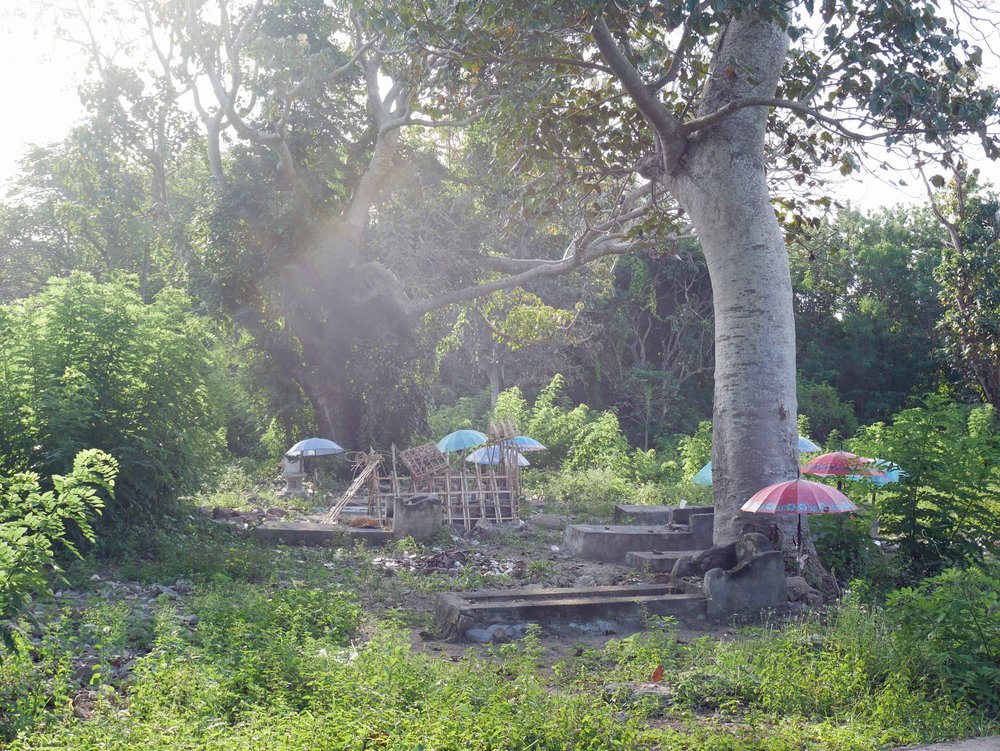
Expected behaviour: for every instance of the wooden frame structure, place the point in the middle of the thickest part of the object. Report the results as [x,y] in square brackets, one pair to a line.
[468,492]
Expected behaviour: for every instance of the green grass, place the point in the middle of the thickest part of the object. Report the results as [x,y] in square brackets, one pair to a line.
[305,650]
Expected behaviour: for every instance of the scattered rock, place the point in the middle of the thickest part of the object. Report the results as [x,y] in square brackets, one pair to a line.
[85,669]
[626,693]
[83,704]
[799,590]
[164,591]
[549,521]
[190,620]
[95,578]
[184,586]
[497,633]
[486,530]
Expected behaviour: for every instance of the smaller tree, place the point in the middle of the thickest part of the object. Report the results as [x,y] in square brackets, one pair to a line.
[89,365]
[945,508]
[969,278]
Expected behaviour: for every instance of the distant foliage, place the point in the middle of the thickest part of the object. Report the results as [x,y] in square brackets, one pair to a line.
[947,508]
[576,437]
[466,413]
[36,524]
[696,449]
[821,405]
[88,364]
[512,405]
[969,279]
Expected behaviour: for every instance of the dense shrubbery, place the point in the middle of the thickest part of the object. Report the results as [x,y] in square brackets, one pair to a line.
[89,365]
[590,464]
[952,621]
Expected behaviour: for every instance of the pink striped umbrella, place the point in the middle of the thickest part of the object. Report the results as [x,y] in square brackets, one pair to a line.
[840,463]
[799,497]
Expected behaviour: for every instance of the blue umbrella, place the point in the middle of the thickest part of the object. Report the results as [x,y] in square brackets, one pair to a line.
[493,455]
[523,443]
[461,440]
[887,472]
[806,446]
[704,476]
[314,447]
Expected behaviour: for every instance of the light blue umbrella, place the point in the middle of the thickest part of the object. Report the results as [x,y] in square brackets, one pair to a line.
[806,446]
[523,443]
[461,440]
[704,476]
[493,455]
[314,447]
[887,472]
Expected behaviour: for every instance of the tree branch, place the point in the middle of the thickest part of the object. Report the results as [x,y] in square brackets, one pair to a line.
[674,69]
[706,121]
[667,127]
[549,269]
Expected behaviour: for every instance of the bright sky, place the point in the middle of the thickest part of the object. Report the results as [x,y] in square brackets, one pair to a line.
[40,76]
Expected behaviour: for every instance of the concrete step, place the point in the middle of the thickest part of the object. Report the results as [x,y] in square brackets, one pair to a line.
[656,562]
[458,612]
[628,513]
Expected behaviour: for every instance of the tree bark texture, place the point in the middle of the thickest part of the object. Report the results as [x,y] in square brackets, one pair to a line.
[721,183]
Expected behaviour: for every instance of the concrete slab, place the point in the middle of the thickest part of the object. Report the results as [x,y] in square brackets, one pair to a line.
[610,543]
[637,514]
[310,533]
[458,612]
[656,562]
[991,743]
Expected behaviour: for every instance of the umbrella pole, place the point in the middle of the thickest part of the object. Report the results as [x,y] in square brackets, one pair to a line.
[798,537]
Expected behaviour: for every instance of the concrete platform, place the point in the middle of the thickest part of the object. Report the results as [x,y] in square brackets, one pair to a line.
[659,562]
[610,543]
[310,533]
[458,612]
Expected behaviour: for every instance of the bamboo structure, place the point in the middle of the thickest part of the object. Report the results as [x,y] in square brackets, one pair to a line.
[488,492]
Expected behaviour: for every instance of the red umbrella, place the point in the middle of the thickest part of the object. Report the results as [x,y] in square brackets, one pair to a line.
[799,497]
[840,463]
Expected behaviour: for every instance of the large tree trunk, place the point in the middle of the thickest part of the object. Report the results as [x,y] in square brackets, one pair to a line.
[721,184]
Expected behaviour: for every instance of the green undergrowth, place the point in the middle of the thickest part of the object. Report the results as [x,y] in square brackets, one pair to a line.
[308,650]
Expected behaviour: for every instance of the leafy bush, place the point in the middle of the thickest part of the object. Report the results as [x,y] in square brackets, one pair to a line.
[35,525]
[88,364]
[198,551]
[588,494]
[946,509]
[846,547]
[953,622]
